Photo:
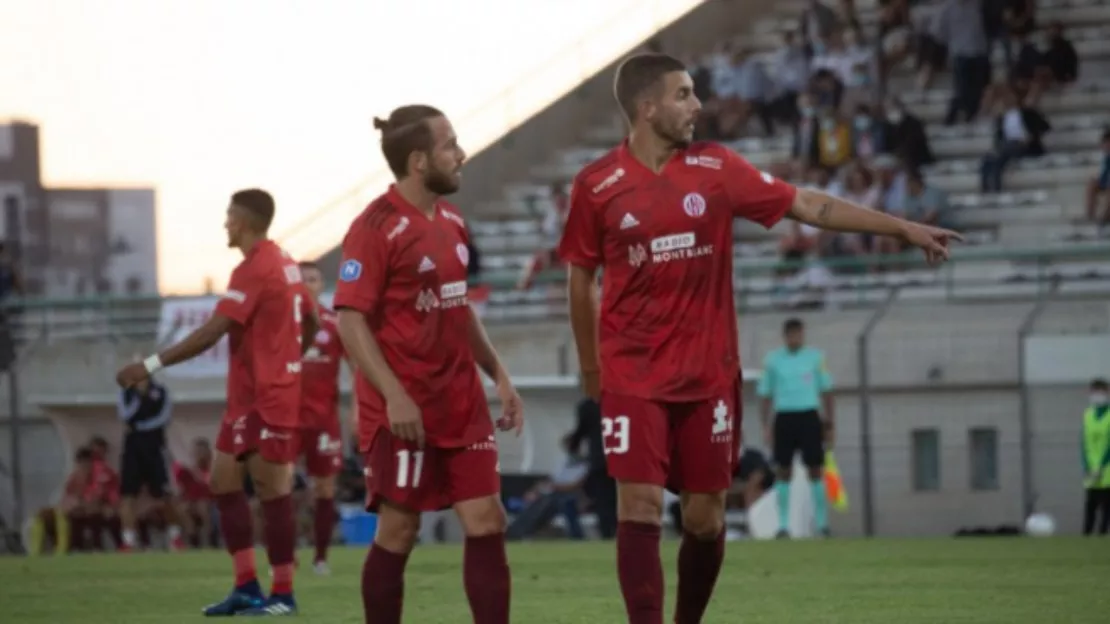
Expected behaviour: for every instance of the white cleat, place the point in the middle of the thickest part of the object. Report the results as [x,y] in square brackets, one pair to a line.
[321,568]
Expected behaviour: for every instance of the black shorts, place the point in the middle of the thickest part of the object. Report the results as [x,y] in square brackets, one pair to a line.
[144,464]
[753,462]
[799,432]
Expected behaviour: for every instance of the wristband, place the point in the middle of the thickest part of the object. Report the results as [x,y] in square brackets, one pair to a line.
[153,364]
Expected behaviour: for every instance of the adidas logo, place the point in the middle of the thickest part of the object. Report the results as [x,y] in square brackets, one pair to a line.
[426,265]
[628,222]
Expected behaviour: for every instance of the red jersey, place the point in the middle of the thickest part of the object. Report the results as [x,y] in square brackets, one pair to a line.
[320,377]
[407,274]
[100,485]
[192,483]
[267,301]
[667,330]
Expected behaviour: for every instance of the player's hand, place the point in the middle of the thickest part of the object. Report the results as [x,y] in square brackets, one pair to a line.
[591,384]
[405,420]
[131,375]
[931,240]
[512,408]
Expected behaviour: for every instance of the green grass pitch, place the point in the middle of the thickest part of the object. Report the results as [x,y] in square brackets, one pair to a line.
[927,581]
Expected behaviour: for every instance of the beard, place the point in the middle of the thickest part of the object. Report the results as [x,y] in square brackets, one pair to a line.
[672,132]
[441,183]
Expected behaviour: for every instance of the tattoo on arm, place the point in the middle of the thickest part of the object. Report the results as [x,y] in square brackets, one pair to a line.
[824,212]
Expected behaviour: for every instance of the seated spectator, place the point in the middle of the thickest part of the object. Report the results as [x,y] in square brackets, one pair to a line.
[825,89]
[1018,133]
[744,91]
[1020,17]
[932,50]
[1100,185]
[790,69]
[922,203]
[895,33]
[555,216]
[196,496]
[109,482]
[906,136]
[868,134]
[838,58]
[78,521]
[860,188]
[558,495]
[1027,61]
[1060,57]
[817,22]
[834,141]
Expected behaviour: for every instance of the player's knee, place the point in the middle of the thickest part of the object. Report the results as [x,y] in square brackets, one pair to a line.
[640,503]
[398,529]
[703,516]
[323,487]
[483,516]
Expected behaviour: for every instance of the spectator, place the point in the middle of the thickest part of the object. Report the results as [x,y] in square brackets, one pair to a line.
[906,136]
[834,141]
[994,25]
[745,90]
[839,59]
[803,150]
[599,487]
[1099,185]
[817,22]
[554,217]
[894,32]
[1060,58]
[960,27]
[859,187]
[922,203]
[109,482]
[1018,134]
[932,52]
[195,495]
[790,69]
[869,135]
[557,495]
[1019,16]
[826,89]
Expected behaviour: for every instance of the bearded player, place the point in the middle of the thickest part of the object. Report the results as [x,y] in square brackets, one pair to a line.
[321,437]
[661,354]
[267,315]
[424,424]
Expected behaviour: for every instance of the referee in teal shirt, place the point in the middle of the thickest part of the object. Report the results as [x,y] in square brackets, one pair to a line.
[795,387]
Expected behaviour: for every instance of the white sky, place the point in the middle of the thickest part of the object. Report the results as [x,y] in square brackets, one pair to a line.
[201,97]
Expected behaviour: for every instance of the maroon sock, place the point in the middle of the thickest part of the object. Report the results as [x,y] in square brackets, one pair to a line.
[237,529]
[96,525]
[77,526]
[383,586]
[486,578]
[323,524]
[699,563]
[142,528]
[115,529]
[640,571]
[281,541]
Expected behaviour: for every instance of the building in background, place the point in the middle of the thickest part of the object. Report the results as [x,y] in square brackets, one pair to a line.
[73,241]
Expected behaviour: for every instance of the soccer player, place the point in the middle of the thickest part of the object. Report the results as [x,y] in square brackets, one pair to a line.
[424,424]
[321,436]
[662,352]
[268,316]
[796,388]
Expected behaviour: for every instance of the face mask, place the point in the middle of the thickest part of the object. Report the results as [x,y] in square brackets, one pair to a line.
[1099,398]
[895,116]
[863,122]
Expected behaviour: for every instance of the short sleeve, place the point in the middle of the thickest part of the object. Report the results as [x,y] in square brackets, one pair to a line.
[242,296]
[755,195]
[824,378]
[764,387]
[363,269]
[581,243]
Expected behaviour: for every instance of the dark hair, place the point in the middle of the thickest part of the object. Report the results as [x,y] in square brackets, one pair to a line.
[259,205]
[308,264]
[404,132]
[914,175]
[1106,134]
[84,454]
[98,441]
[1100,384]
[792,324]
[639,74]
[202,442]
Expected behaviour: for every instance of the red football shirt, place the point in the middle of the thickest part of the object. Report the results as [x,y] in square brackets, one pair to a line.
[407,274]
[667,330]
[320,377]
[267,301]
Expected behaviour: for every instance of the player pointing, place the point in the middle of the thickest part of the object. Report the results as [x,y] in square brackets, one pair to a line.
[267,314]
[424,424]
[656,215]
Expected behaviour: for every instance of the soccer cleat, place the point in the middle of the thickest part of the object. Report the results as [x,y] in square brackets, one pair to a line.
[782,535]
[276,605]
[236,602]
[321,568]
[825,532]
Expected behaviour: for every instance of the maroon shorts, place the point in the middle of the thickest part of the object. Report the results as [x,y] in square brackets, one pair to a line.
[322,449]
[690,447]
[242,435]
[430,479]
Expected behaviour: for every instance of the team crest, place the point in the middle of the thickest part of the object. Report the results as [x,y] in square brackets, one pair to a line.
[322,337]
[463,253]
[693,204]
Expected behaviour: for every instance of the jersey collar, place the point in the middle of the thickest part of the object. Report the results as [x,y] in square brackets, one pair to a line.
[629,161]
[397,199]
